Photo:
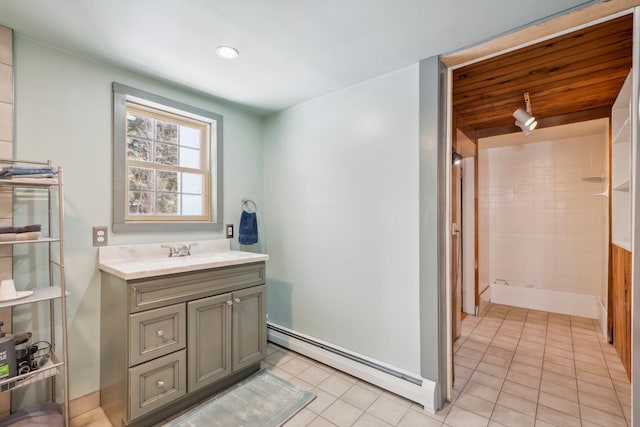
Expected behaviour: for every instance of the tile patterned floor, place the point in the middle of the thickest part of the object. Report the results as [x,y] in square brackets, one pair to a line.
[519,367]
[514,367]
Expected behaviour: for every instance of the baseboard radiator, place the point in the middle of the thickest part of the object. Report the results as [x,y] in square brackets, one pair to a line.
[395,380]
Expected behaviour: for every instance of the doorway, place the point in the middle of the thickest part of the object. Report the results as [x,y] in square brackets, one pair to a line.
[551,114]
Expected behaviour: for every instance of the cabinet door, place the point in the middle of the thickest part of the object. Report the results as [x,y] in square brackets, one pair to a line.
[621,290]
[249,326]
[209,340]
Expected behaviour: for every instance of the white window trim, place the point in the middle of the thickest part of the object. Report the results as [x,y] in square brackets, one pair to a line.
[122,94]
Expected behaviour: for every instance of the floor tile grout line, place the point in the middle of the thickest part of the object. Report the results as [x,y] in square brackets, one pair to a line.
[453,401]
[544,350]
[609,376]
[576,331]
[484,353]
[601,342]
[575,368]
[364,411]
[369,406]
[508,368]
[542,366]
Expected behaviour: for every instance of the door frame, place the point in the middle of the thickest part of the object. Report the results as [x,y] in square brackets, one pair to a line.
[551,27]
[635,207]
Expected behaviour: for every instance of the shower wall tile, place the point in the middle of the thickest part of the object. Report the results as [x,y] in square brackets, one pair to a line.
[483,221]
[539,223]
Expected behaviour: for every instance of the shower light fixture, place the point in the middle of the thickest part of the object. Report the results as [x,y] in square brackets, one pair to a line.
[524,119]
[456,158]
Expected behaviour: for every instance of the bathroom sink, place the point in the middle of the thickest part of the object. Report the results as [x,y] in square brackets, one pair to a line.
[139,261]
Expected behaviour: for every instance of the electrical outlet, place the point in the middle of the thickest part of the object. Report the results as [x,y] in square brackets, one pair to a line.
[229,231]
[100,235]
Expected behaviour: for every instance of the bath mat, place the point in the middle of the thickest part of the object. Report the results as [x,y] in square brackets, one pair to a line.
[262,400]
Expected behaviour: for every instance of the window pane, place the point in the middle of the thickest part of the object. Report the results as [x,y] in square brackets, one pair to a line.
[189,158]
[191,205]
[166,131]
[162,166]
[167,204]
[139,149]
[192,183]
[189,137]
[140,179]
[140,202]
[139,126]
[167,181]
[166,154]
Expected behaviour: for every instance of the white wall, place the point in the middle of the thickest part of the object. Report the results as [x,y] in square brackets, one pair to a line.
[468,236]
[484,224]
[547,230]
[341,194]
[63,113]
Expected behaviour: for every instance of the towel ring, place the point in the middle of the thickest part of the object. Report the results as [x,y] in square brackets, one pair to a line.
[246,204]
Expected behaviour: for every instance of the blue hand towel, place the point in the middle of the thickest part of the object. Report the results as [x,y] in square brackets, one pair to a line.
[248,233]
[20,170]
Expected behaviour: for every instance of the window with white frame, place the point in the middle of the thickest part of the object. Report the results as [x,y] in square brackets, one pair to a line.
[167,169]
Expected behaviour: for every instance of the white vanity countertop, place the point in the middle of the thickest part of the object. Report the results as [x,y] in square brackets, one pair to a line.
[148,260]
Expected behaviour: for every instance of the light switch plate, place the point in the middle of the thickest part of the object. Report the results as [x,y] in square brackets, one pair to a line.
[229,231]
[100,235]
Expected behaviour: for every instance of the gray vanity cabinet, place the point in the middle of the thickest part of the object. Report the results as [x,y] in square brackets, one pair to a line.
[156,332]
[226,333]
[170,341]
[210,340]
[249,343]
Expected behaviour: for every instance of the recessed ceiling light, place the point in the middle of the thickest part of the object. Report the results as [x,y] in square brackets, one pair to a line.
[227,52]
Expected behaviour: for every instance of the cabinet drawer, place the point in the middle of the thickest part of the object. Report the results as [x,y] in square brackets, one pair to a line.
[155,333]
[156,383]
[175,288]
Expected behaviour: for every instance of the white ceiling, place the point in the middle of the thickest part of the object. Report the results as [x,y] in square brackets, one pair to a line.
[290,50]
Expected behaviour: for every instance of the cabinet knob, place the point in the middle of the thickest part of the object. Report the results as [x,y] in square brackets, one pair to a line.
[160,333]
[160,383]
[229,302]
[237,300]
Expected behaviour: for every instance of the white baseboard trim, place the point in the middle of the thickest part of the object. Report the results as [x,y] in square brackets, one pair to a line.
[603,318]
[570,303]
[393,379]
[485,300]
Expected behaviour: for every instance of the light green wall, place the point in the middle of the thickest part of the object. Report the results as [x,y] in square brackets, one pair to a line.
[343,195]
[63,113]
[341,201]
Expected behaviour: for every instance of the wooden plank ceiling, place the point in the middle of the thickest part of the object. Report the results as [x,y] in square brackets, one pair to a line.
[571,78]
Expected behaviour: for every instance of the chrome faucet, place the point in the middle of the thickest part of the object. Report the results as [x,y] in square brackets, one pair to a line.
[182,250]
